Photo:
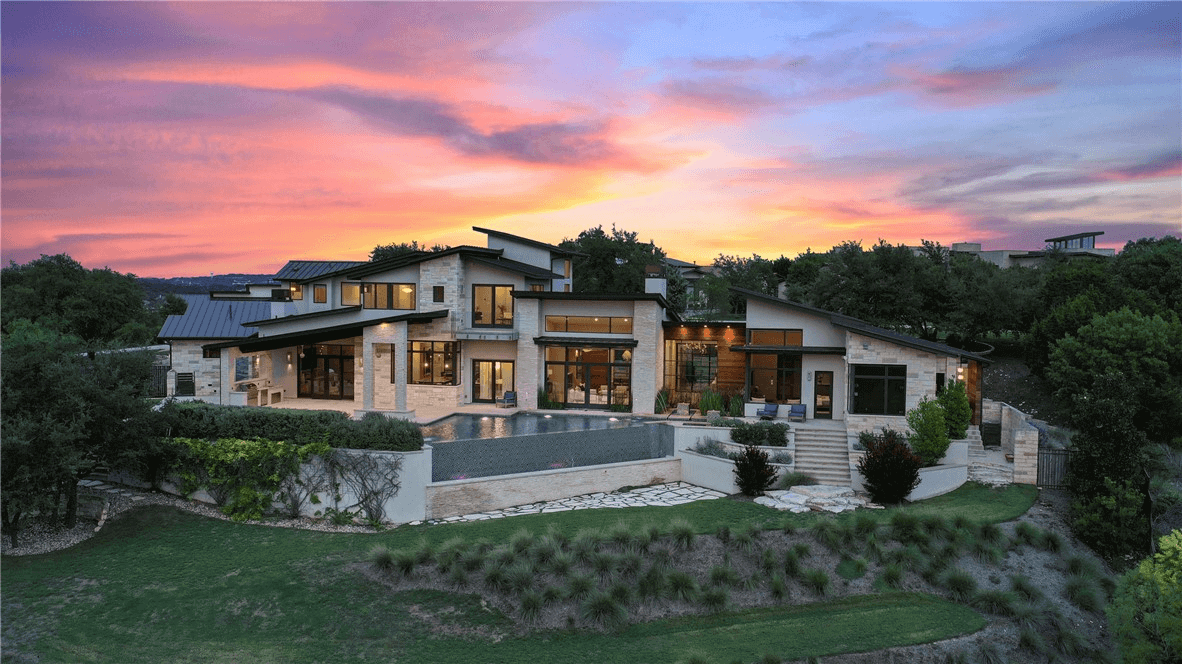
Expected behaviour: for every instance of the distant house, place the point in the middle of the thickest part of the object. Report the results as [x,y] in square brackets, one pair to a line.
[1078,245]
[432,330]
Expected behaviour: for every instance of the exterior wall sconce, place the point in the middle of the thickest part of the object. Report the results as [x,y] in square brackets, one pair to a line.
[809,377]
[289,357]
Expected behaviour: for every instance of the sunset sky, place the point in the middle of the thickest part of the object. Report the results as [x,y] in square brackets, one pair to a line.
[184,139]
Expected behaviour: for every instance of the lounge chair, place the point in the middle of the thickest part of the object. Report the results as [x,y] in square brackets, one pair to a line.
[507,401]
[797,412]
[769,411]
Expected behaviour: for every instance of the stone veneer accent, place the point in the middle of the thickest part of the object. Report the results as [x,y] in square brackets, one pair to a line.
[922,368]
[186,357]
[526,317]
[647,357]
[1020,438]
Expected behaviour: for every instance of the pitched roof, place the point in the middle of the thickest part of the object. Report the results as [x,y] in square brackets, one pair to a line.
[215,319]
[304,270]
[519,267]
[864,328]
[415,257]
[524,240]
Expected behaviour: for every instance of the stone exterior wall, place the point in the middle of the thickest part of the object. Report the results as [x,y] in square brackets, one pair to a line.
[991,411]
[922,368]
[647,364]
[1020,438]
[186,357]
[459,497]
[527,316]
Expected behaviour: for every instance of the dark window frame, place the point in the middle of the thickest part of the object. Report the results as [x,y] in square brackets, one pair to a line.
[437,293]
[615,324]
[787,374]
[495,303]
[319,293]
[867,381]
[783,340]
[297,292]
[445,351]
[211,353]
[370,291]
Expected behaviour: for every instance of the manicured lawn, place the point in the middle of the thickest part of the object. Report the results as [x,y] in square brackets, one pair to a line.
[160,584]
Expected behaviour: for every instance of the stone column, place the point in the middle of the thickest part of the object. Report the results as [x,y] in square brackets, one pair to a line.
[368,369]
[529,371]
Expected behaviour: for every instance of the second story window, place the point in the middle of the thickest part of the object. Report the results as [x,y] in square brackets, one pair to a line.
[320,293]
[388,296]
[776,337]
[492,306]
[350,294]
[297,292]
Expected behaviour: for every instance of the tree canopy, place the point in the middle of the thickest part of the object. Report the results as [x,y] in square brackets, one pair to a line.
[395,249]
[611,262]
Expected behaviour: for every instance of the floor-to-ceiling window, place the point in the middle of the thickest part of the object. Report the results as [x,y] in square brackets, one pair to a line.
[326,371]
[597,377]
[491,379]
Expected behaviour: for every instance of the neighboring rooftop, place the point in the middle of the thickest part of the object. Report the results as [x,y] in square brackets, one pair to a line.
[303,270]
[215,319]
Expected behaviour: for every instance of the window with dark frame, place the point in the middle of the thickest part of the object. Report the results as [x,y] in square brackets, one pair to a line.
[590,324]
[350,294]
[297,291]
[387,296]
[432,363]
[774,376]
[320,293]
[879,389]
[185,385]
[492,305]
[211,353]
[437,293]
[775,337]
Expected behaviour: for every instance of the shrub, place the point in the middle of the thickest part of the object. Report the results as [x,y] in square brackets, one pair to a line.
[545,403]
[954,400]
[1111,520]
[789,480]
[710,400]
[753,471]
[817,581]
[652,583]
[1026,588]
[1146,610]
[766,434]
[579,586]
[297,427]
[382,558]
[994,601]
[723,576]
[602,609]
[890,468]
[778,588]
[714,448]
[929,433]
[661,403]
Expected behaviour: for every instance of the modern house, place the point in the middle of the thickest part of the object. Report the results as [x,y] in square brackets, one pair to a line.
[432,330]
[1075,246]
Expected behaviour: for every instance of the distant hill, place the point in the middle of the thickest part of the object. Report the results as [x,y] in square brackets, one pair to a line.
[156,288]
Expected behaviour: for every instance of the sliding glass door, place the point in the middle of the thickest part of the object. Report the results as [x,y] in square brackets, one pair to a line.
[491,379]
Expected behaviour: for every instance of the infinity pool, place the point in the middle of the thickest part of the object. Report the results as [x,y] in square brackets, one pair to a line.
[466,427]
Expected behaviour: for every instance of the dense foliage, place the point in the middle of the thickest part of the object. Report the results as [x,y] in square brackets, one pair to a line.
[96,306]
[929,433]
[954,400]
[1146,610]
[611,262]
[754,472]
[395,249]
[243,476]
[374,432]
[889,468]
[766,434]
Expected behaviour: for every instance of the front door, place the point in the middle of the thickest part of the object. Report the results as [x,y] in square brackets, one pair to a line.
[823,396]
[491,379]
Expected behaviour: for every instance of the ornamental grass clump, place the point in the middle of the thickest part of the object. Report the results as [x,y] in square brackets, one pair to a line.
[721,575]
[889,467]
[994,601]
[603,610]
[1025,588]
[621,592]
[651,584]
[531,606]
[892,575]
[520,577]
[381,558]
[682,533]
[826,532]
[496,578]
[682,586]
[778,588]
[817,581]
[458,576]
[579,586]
[961,585]
[1027,534]
[715,599]
[521,541]
[1082,592]
[791,564]
[404,562]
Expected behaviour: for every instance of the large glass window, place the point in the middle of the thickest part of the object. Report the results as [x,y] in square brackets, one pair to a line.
[774,376]
[492,306]
[776,337]
[387,296]
[432,363]
[879,389]
[320,293]
[590,324]
[297,291]
[589,377]
[691,366]
[350,294]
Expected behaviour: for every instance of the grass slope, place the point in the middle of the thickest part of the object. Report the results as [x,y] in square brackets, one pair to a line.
[160,585]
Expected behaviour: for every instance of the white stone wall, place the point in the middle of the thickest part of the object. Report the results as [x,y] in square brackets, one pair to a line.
[647,356]
[922,368]
[1020,438]
[529,365]
[186,357]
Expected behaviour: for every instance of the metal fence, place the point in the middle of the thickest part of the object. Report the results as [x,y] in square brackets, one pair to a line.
[1052,468]
[489,457]
[159,383]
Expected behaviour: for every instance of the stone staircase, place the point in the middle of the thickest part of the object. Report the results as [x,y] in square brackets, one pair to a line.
[987,466]
[823,455]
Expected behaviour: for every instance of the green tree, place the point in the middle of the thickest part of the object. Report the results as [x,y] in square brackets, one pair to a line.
[676,289]
[929,432]
[1147,350]
[395,249]
[1146,610]
[1154,267]
[611,262]
[98,305]
[954,400]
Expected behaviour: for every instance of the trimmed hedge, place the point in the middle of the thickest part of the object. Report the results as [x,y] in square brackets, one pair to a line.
[762,434]
[298,427]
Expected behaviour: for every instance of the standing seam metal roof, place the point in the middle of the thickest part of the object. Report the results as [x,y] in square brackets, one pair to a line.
[215,319]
